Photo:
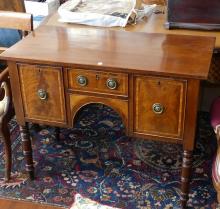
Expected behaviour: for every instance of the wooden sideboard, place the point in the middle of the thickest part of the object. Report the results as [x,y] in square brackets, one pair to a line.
[151,80]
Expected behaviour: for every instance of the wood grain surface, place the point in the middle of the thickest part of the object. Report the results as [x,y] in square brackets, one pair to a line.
[160,54]
[153,24]
[97,81]
[49,79]
[171,95]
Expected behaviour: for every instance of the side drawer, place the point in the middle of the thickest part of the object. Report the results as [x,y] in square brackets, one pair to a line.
[159,106]
[42,93]
[99,82]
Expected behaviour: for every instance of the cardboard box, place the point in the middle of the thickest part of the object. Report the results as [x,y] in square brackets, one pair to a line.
[41,8]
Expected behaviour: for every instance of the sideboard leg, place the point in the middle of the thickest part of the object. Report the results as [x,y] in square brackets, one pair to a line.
[185,177]
[27,150]
[57,133]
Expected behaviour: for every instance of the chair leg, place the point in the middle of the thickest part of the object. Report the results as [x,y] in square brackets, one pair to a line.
[5,133]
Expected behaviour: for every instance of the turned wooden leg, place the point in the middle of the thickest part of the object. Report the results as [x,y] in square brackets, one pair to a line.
[35,127]
[5,133]
[27,150]
[57,133]
[185,176]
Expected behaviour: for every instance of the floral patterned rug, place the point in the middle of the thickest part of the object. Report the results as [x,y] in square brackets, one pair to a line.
[97,160]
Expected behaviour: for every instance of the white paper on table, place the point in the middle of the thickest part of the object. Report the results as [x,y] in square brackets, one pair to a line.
[107,13]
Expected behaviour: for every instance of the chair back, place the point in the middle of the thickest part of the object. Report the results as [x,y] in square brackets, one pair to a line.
[12,5]
[16,20]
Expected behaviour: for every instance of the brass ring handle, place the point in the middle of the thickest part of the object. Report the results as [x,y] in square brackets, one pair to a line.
[158,108]
[112,83]
[42,94]
[82,80]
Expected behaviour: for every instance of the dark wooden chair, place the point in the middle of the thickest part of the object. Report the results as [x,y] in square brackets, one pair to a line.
[24,23]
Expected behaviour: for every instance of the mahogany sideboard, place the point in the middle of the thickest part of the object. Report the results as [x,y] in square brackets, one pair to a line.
[151,80]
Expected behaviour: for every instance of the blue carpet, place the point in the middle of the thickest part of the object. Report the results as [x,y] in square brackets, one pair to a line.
[97,160]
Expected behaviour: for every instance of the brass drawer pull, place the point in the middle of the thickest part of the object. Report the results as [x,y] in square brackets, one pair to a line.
[112,83]
[82,80]
[42,94]
[158,108]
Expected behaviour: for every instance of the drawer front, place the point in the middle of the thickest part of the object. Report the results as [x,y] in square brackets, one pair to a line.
[99,82]
[42,92]
[159,106]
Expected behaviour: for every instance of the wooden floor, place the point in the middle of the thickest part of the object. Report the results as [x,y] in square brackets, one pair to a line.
[15,204]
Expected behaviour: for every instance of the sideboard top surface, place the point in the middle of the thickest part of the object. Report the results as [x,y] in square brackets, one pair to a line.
[159,54]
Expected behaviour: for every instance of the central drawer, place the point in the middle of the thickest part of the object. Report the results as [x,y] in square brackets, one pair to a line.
[98,81]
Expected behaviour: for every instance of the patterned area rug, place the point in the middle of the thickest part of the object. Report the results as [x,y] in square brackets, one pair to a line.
[97,160]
